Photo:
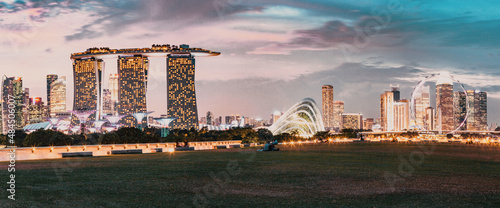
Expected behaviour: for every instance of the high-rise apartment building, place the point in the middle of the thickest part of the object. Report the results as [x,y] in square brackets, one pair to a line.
[87,75]
[7,98]
[402,115]
[50,79]
[37,113]
[13,96]
[387,111]
[422,102]
[459,110]
[327,104]
[57,97]
[181,95]
[483,111]
[26,103]
[338,110]
[132,83]
[444,104]
[19,98]
[352,121]
[477,117]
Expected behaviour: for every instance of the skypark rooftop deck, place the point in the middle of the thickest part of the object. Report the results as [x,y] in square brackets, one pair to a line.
[154,51]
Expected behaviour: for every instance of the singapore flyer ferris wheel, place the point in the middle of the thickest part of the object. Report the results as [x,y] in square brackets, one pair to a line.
[439,78]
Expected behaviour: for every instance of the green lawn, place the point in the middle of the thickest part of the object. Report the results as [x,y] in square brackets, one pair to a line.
[313,175]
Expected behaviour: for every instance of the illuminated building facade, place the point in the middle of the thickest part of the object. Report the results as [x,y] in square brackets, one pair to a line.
[352,121]
[106,102]
[387,111]
[87,75]
[338,110]
[132,83]
[17,85]
[113,86]
[113,89]
[57,97]
[12,90]
[444,105]
[7,89]
[422,102]
[368,123]
[50,79]
[401,115]
[483,111]
[327,104]
[37,113]
[460,110]
[181,95]
[430,121]
[477,118]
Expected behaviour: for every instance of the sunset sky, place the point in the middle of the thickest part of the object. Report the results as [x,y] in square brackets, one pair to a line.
[274,52]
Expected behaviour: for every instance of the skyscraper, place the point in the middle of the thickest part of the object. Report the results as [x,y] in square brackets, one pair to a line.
[87,75]
[395,92]
[19,99]
[106,102]
[181,95]
[429,119]
[26,102]
[210,118]
[401,115]
[50,79]
[113,89]
[387,111]
[13,94]
[327,98]
[422,102]
[7,95]
[483,111]
[459,110]
[444,104]
[338,110]
[57,97]
[132,82]
[477,117]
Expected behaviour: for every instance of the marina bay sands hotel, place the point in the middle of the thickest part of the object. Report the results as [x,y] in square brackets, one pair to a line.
[133,66]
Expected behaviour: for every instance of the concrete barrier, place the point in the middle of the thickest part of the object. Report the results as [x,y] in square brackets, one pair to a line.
[37,153]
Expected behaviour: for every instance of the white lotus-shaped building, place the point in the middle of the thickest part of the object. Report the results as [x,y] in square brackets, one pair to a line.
[304,119]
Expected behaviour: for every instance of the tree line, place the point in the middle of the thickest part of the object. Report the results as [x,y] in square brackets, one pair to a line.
[131,135]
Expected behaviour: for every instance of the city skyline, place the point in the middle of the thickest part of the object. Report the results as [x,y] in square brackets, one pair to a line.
[295,58]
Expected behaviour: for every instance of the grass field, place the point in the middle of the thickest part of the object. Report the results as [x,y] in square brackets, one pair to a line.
[312,175]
